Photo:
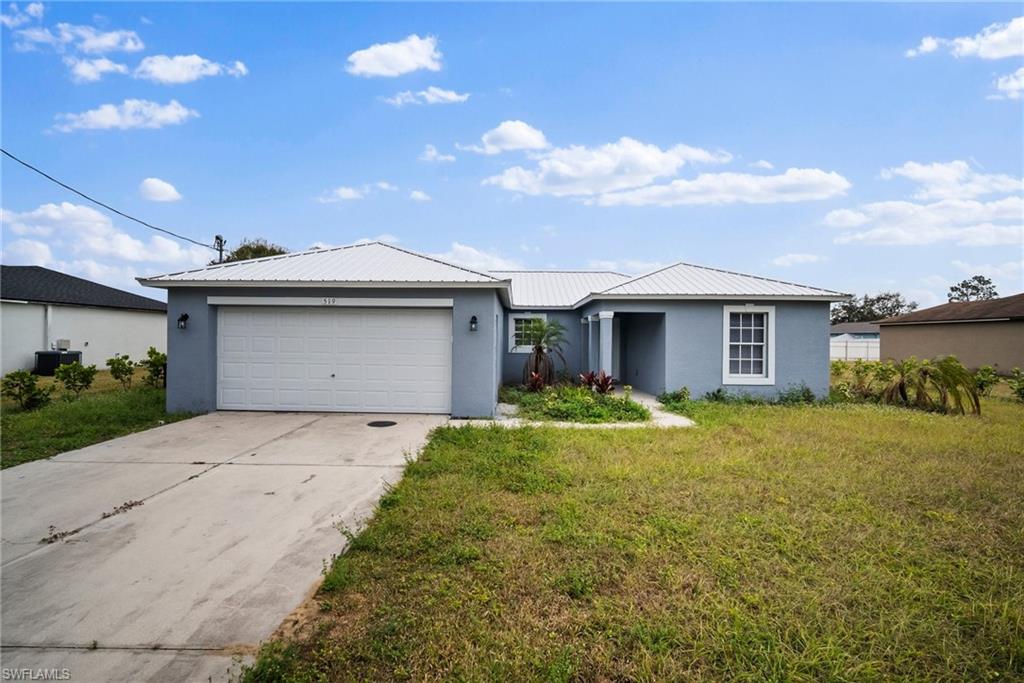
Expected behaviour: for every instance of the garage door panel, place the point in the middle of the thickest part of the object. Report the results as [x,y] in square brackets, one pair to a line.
[386,360]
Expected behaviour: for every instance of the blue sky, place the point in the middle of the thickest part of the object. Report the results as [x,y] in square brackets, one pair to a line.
[855,147]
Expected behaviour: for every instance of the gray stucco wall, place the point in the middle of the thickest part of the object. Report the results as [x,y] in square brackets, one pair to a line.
[512,372]
[192,353]
[693,338]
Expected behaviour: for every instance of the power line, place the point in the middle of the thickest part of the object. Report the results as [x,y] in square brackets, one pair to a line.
[107,206]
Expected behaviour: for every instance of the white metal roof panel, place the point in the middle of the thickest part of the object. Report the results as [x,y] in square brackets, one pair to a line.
[684,279]
[556,288]
[370,262]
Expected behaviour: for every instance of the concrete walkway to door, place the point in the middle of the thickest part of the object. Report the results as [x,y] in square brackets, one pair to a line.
[174,549]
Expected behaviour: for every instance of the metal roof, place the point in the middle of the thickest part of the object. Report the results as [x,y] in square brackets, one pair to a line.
[42,285]
[687,280]
[369,262]
[556,288]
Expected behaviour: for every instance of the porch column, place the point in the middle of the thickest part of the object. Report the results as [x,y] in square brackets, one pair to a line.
[606,318]
[584,354]
[593,347]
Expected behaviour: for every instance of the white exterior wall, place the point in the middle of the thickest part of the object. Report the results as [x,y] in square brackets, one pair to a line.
[98,333]
[22,333]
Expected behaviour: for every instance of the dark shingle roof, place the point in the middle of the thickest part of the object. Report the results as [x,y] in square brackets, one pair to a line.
[34,283]
[1007,307]
[855,328]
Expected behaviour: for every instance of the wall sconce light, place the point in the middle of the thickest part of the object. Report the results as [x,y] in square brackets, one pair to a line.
[473,324]
[183,321]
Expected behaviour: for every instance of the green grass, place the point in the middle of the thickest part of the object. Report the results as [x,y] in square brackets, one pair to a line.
[99,415]
[574,404]
[805,543]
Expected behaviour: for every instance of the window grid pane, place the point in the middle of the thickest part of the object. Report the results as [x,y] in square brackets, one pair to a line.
[747,343]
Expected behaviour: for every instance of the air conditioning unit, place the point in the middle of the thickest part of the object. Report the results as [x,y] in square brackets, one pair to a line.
[63,344]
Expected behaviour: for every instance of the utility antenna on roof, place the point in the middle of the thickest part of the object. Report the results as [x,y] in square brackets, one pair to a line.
[218,244]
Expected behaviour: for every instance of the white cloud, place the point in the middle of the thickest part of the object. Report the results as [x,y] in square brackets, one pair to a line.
[795,185]
[156,190]
[509,136]
[627,266]
[1010,86]
[928,44]
[86,39]
[18,18]
[419,196]
[26,252]
[477,259]
[92,70]
[585,171]
[845,218]
[88,234]
[787,260]
[947,180]
[184,69]
[342,193]
[762,164]
[966,222]
[996,41]
[394,59]
[128,114]
[430,153]
[386,238]
[345,193]
[1010,271]
[432,95]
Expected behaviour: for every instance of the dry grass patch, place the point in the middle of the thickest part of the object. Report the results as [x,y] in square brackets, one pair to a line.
[851,542]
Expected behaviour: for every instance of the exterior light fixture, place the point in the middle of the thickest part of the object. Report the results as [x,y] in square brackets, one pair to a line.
[183,321]
[473,324]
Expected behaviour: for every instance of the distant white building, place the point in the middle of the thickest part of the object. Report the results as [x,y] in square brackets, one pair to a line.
[854,341]
[39,306]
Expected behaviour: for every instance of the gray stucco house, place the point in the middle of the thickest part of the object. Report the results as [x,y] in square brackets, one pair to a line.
[377,328]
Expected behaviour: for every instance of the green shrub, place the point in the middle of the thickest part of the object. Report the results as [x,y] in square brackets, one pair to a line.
[985,378]
[1016,383]
[795,394]
[677,396]
[122,368]
[23,388]
[840,368]
[75,377]
[155,364]
[579,404]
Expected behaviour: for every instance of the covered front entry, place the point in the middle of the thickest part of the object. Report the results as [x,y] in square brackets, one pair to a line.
[389,360]
[629,346]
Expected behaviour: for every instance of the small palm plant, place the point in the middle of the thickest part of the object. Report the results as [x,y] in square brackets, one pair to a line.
[943,384]
[546,338]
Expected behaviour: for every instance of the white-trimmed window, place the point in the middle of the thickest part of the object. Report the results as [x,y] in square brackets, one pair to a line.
[748,353]
[517,323]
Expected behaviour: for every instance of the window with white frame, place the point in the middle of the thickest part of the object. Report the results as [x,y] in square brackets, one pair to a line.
[749,345]
[517,322]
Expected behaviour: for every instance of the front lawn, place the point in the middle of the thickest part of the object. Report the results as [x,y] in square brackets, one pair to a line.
[808,542]
[570,403]
[98,415]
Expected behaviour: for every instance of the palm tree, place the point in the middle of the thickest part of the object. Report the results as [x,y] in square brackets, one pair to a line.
[932,385]
[546,337]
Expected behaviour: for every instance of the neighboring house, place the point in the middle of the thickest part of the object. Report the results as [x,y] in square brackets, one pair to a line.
[977,332]
[39,306]
[854,341]
[377,328]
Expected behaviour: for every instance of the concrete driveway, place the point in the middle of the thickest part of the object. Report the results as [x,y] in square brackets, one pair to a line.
[176,548]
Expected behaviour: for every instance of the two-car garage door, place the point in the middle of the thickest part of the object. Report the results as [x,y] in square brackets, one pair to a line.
[334,359]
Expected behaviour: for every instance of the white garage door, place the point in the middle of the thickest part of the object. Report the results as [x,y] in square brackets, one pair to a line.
[334,359]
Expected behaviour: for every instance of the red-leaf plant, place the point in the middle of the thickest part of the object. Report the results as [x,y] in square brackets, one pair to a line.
[588,378]
[604,383]
[536,382]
